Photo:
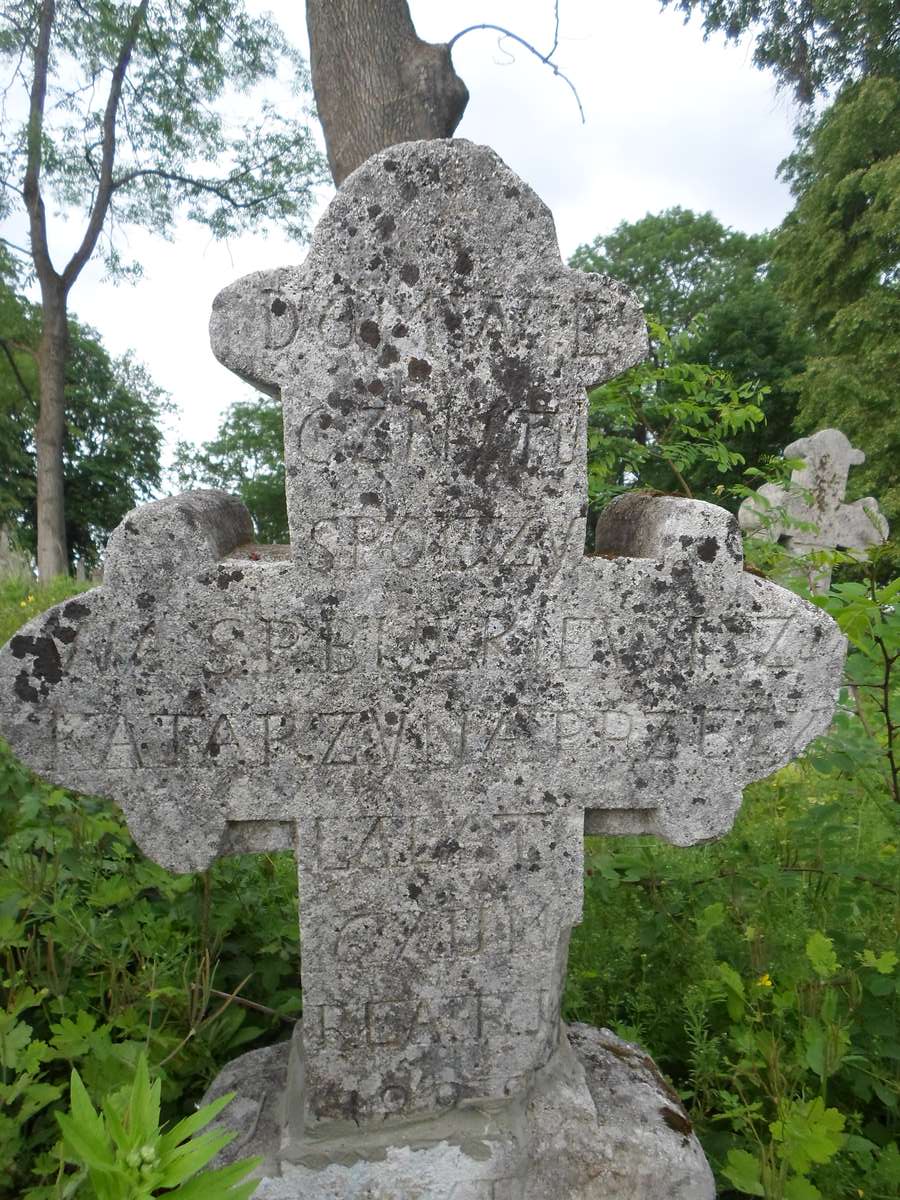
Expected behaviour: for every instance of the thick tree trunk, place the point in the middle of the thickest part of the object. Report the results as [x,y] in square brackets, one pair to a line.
[52,358]
[376,82]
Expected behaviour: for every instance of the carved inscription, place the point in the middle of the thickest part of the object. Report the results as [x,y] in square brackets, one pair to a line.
[363,541]
[440,322]
[384,740]
[400,430]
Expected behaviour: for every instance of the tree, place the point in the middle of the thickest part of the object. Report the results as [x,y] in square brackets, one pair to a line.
[111,440]
[122,122]
[376,82]
[680,264]
[813,46]
[838,254]
[712,287]
[246,456]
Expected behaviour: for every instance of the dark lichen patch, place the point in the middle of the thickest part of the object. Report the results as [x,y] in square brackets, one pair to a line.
[224,579]
[386,225]
[145,600]
[389,355]
[409,274]
[399,330]
[418,370]
[370,333]
[76,611]
[708,549]
[279,308]
[46,665]
[464,263]
[23,688]
[677,1120]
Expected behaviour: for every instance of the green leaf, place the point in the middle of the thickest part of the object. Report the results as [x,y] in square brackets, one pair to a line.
[710,918]
[798,1188]
[820,952]
[86,1149]
[734,990]
[184,1162]
[188,1126]
[143,1106]
[808,1133]
[884,964]
[224,1183]
[742,1169]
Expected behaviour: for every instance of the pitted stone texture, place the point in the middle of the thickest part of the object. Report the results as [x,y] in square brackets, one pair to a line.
[810,513]
[434,694]
[431,355]
[599,1122]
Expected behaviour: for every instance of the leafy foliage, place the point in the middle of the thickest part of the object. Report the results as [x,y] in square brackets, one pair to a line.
[247,457]
[838,254]
[112,442]
[104,955]
[125,1154]
[712,288]
[176,151]
[812,45]
[666,422]
[782,1032]
[680,264]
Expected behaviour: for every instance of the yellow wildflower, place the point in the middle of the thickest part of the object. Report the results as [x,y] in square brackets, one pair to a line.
[765,980]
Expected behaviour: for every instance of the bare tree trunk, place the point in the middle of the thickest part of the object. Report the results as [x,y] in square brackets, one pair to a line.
[376,82]
[53,353]
[53,350]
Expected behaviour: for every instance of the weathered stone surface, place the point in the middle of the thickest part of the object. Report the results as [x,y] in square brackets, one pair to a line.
[810,513]
[599,1122]
[432,694]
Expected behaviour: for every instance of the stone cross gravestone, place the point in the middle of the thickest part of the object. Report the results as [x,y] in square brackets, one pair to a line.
[809,513]
[14,563]
[432,693]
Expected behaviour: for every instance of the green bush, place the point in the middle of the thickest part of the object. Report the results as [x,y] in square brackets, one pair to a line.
[762,971]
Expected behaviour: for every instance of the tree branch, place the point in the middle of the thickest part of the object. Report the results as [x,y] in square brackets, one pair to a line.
[31,190]
[14,246]
[202,185]
[546,59]
[105,181]
[23,386]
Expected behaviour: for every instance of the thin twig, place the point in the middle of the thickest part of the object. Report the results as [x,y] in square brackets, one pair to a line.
[546,59]
[270,1012]
[230,997]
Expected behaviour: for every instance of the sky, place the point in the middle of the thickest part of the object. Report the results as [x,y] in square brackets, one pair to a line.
[670,120]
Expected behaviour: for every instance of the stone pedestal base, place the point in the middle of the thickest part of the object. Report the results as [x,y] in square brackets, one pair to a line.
[599,1123]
